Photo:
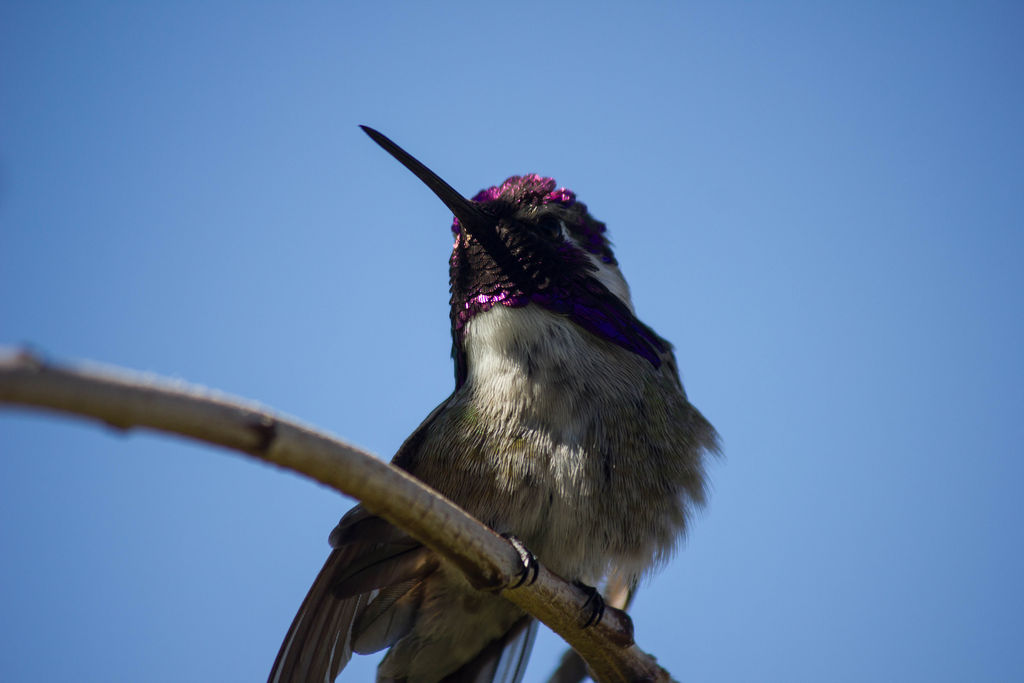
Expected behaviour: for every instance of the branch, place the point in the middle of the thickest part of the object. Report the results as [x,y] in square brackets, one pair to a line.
[126,400]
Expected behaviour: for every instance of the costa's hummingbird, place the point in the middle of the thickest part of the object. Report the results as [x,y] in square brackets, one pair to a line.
[568,428]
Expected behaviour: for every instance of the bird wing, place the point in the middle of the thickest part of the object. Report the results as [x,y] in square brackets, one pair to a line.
[368,597]
[331,623]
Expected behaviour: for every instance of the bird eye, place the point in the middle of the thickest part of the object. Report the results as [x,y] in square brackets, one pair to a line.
[550,227]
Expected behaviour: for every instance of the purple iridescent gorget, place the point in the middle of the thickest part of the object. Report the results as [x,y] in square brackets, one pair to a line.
[540,266]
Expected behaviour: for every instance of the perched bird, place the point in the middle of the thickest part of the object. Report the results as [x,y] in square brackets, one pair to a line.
[568,428]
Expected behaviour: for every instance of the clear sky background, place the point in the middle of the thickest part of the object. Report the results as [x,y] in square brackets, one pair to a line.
[821,206]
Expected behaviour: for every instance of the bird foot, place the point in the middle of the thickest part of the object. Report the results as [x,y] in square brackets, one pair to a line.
[594,601]
[529,560]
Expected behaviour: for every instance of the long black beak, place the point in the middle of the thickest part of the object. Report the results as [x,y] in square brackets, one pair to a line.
[472,219]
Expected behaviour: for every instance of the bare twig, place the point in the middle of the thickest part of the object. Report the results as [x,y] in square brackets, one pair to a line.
[128,400]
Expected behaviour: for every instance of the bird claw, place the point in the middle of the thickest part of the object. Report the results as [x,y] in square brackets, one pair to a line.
[594,601]
[528,559]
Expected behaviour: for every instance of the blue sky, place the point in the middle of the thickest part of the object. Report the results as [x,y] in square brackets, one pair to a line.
[819,205]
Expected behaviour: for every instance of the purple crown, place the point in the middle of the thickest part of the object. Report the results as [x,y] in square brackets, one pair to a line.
[525,189]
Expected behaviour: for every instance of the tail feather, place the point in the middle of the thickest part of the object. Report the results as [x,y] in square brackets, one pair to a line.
[316,647]
[373,592]
[503,661]
[381,567]
[319,642]
[388,618]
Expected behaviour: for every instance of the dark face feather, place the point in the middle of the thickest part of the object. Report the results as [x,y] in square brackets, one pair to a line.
[536,260]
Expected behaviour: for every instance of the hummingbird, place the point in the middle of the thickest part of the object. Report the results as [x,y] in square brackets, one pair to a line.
[568,430]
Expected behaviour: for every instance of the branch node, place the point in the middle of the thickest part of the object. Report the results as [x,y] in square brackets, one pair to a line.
[621,628]
[265,429]
[120,427]
[30,359]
